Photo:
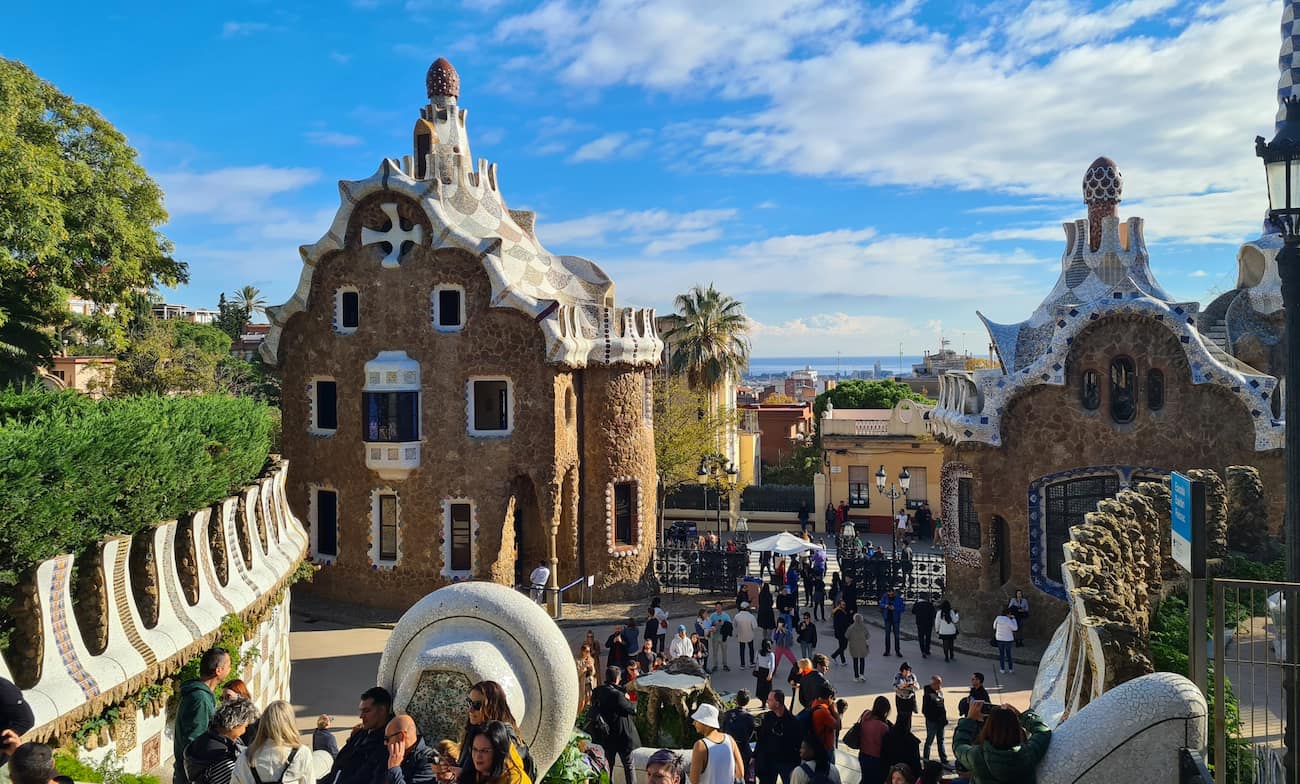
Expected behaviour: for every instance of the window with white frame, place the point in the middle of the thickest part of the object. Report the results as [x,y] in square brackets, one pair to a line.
[324,406]
[347,310]
[448,307]
[491,406]
[918,487]
[325,522]
[386,515]
[625,510]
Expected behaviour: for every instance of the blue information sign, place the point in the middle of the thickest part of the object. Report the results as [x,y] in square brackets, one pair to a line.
[1180,518]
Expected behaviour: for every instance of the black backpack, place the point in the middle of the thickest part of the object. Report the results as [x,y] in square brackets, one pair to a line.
[278,780]
[816,776]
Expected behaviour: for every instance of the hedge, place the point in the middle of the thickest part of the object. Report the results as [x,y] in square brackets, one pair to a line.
[73,472]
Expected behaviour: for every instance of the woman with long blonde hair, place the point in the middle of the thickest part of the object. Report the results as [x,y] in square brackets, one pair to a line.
[277,753]
[586,676]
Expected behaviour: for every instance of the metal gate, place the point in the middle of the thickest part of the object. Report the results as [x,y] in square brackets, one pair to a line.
[1251,661]
[874,576]
[690,568]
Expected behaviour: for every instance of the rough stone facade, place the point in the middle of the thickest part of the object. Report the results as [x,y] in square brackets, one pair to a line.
[543,489]
[1048,432]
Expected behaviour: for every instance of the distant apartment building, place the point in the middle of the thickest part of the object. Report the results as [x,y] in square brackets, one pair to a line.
[89,375]
[782,427]
[169,311]
[250,338]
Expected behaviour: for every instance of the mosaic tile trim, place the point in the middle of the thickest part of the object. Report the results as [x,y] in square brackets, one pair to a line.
[170,581]
[444,540]
[236,555]
[1038,516]
[611,544]
[466,212]
[211,573]
[121,592]
[63,630]
[953,551]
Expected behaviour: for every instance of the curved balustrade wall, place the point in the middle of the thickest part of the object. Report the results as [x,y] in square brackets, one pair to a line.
[161,601]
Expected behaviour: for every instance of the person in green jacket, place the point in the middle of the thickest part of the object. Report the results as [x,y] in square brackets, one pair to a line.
[198,703]
[1006,750]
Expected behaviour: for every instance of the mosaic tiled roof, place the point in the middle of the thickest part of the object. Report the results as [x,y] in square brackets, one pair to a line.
[571,298]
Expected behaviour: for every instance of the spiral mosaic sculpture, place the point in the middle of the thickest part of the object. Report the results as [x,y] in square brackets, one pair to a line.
[462,634]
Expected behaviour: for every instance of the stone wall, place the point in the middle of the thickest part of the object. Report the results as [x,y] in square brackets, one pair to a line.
[1048,433]
[65,681]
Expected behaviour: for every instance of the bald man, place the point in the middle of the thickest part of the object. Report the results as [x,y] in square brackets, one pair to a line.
[410,761]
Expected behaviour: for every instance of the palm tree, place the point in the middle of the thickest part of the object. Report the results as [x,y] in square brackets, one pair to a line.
[250,300]
[709,338]
[25,339]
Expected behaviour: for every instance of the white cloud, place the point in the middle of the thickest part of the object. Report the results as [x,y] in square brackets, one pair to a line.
[826,333]
[333,139]
[600,148]
[341,58]
[1019,102]
[660,231]
[242,29]
[231,195]
[1198,274]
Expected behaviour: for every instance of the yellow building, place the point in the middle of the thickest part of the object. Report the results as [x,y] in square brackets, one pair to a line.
[856,443]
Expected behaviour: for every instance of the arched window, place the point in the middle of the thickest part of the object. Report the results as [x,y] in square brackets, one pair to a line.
[1090,390]
[1155,389]
[1123,390]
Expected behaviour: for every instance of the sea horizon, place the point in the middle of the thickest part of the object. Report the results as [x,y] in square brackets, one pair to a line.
[827,366]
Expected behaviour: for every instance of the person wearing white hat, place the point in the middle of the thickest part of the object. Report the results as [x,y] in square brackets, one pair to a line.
[715,758]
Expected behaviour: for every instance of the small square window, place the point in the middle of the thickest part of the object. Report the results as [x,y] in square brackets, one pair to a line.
[490,407]
[448,308]
[324,406]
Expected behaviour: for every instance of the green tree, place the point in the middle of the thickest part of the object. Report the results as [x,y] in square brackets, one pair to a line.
[861,393]
[250,300]
[78,215]
[231,318]
[709,336]
[171,357]
[687,429]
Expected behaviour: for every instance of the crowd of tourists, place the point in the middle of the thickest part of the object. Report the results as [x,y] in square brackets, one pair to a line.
[801,719]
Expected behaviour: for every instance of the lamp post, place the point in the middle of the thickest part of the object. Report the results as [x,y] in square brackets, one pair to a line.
[893,494]
[712,468]
[1282,172]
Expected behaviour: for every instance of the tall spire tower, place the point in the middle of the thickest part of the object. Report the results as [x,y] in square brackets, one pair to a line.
[1288,62]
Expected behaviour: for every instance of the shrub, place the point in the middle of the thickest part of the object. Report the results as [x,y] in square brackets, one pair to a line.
[108,772]
[73,473]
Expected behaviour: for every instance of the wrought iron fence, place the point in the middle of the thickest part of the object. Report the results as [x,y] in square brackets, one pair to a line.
[690,568]
[1249,635]
[924,573]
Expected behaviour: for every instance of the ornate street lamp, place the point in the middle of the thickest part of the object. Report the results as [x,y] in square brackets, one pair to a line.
[893,494]
[711,467]
[1282,172]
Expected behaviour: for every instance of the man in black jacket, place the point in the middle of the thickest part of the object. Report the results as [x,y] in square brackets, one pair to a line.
[924,611]
[611,702]
[936,716]
[15,713]
[977,692]
[814,685]
[616,649]
[739,724]
[363,759]
[410,761]
[776,752]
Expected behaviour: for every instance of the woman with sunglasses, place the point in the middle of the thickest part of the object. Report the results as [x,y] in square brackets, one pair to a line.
[487,703]
[492,758]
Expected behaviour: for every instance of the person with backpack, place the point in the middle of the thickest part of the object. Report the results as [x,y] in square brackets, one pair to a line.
[946,626]
[936,716]
[815,766]
[720,630]
[276,755]
[610,702]
[739,724]
[776,748]
[807,636]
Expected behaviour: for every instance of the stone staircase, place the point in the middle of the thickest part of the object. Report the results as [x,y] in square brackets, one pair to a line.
[1216,332]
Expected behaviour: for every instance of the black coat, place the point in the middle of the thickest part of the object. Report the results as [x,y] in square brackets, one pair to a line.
[15,713]
[777,746]
[611,702]
[924,611]
[416,767]
[841,620]
[898,746]
[362,759]
[210,758]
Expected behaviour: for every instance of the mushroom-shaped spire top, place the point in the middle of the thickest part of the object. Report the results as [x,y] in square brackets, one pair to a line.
[442,80]
[1103,188]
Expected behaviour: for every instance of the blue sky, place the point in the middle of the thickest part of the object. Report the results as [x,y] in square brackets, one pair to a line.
[858,174]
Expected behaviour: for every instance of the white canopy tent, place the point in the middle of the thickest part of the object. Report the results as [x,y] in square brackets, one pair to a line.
[783,543]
